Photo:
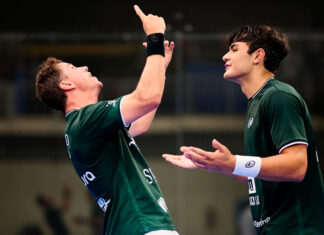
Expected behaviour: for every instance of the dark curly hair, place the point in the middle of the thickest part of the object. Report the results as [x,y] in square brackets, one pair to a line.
[47,85]
[272,41]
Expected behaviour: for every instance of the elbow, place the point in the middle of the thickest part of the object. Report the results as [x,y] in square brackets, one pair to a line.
[298,164]
[151,100]
[156,101]
[300,175]
[299,179]
[300,172]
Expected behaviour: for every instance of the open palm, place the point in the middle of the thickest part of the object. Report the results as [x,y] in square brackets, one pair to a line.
[180,161]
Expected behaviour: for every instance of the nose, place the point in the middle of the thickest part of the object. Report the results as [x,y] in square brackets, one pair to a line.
[226,57]
[85,68]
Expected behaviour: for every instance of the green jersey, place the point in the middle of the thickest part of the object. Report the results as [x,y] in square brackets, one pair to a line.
[278,117]
[111,166]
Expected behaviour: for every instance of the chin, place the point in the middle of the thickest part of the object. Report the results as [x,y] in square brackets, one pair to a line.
[226,76]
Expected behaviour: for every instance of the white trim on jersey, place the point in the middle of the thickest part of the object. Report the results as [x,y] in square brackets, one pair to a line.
[293,143]
[162,232]
[121,113]
[69,112]
[261,87]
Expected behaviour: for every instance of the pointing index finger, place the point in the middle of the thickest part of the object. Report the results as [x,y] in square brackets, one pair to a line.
[139,12]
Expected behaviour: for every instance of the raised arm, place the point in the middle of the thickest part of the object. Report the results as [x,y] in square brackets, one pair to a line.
[142,124]
[148,93]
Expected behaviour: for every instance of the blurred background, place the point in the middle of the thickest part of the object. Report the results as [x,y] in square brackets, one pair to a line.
[37,181]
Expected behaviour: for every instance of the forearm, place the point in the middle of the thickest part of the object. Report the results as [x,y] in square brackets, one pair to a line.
[151,84]
[275,168]
[289,165]
[148,93]
[282,168]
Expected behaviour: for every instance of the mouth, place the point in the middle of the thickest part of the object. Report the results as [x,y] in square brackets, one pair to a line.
[227,66]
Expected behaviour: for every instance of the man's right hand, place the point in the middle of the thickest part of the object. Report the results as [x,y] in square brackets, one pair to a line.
[151,23]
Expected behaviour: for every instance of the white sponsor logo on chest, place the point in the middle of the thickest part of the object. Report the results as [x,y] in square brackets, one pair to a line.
[88,177]
[149,176]
[103,203]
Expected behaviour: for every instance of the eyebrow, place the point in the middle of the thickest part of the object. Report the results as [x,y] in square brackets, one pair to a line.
[233,45]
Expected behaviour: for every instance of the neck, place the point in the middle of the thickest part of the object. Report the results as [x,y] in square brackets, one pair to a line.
[79,100]
[251,84]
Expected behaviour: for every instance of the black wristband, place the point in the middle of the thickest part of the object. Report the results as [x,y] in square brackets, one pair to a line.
[155,44]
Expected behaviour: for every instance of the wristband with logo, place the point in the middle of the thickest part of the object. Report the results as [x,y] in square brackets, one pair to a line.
[155,44]
[247,166]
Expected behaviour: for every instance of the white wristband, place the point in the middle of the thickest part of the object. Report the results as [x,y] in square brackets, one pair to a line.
[247,166]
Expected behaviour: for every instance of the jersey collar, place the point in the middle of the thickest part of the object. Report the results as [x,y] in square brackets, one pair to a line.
[256,93]
[69,112]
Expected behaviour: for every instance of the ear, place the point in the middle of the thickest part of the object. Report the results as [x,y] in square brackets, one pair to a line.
[259,56]
[66,85]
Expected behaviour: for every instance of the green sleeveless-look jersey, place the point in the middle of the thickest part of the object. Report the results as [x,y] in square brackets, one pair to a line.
[278,117]
[110,164]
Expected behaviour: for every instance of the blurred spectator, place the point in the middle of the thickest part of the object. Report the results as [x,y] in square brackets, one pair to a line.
[54,213]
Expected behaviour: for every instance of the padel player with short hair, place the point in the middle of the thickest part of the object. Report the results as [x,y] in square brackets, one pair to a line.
[99,135]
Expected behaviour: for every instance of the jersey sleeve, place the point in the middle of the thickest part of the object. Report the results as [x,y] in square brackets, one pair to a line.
[285,116]
[102,118]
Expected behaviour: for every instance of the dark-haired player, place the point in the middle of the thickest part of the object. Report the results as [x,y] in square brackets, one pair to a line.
[281,166]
